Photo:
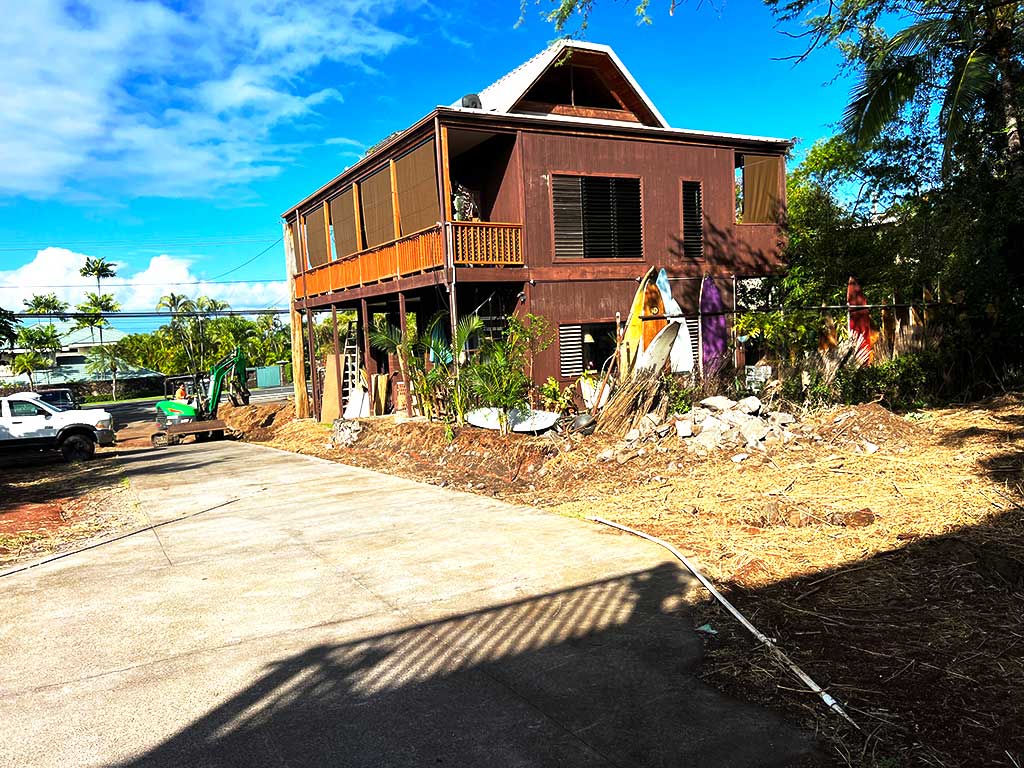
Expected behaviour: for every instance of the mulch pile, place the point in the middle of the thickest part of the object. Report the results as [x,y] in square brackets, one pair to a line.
[886,553]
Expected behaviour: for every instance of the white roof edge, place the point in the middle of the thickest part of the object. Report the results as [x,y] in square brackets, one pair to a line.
[508,89]
[620,124]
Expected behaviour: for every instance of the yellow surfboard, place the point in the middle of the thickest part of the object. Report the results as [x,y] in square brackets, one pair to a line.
[633,335]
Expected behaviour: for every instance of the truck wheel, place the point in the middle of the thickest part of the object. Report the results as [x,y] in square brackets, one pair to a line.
[77,448]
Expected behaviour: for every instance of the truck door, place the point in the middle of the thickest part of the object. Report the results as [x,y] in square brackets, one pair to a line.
[30,422]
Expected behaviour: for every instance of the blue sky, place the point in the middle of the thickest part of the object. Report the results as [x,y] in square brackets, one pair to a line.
[168,137]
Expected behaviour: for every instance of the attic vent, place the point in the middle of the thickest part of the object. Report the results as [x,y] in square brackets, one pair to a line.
[471,101]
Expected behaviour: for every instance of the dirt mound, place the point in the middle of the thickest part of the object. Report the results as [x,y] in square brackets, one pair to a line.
[257,423]
[847,425]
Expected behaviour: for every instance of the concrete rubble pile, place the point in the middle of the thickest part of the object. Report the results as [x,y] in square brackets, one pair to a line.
[718,423]
[345,433]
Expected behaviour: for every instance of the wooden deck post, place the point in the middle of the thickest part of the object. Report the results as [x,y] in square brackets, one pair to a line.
[337,359]
[404,363]
[295,322]
[371,366]
[394,199]
[311,332]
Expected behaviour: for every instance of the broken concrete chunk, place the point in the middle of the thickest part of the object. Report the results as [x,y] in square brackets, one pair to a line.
[633,435]
[606,455]
[740,457]
[714,424]
[699,414]
[718,403]
[749,405]
[684,428]
[781,417]
[869,447]
[754,431]
[663,430]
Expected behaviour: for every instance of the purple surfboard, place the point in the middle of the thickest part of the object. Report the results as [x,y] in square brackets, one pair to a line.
[713,327]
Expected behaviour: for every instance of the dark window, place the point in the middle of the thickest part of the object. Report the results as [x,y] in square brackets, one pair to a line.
[22,408]
[597,217]
[693,220]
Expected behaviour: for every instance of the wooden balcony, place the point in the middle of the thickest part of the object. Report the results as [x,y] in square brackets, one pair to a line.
[473,243]
[487,243]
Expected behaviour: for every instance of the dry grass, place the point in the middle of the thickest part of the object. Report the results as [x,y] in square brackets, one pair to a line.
[910,612]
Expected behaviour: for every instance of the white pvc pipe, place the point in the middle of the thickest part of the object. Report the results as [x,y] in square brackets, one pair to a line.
[776,651]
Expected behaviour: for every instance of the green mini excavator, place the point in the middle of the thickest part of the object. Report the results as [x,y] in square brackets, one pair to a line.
[197,415]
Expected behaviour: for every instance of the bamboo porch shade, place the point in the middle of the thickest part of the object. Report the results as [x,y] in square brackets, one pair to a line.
[416,178]
[761,177]
[375,204]
[293,229]
[316,238]
[343,221]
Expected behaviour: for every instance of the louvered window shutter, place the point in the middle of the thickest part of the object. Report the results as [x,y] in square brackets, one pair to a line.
[693,220]
[570,350]
[597,217]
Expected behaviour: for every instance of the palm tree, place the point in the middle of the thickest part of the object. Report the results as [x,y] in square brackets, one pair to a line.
[969,47]
[93,307]
[104,359]
[8,326]
[28,363]
[99,268]
[41,339]
[45,304]
[177,303]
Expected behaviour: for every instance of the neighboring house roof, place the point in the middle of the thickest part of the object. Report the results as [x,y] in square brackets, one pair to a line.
[504,93]
[79,337]
[69,373]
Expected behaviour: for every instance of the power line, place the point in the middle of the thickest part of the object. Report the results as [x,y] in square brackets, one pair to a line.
[150,314]
[250,261]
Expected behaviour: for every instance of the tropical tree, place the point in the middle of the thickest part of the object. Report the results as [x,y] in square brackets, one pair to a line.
[28,363]
[106,359]
[8,326]
[93,308]
[42,339]
[45,304]
[99,268]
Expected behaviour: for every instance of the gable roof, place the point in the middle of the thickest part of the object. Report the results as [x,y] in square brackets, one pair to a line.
[503,94]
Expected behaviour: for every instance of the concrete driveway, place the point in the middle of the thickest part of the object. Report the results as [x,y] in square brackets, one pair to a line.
[315,614]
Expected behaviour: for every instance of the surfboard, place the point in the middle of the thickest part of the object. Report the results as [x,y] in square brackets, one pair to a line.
[633,334]
[681,357]
[714,330]
[653,305]
[657,353]
[520,420]
[860,320]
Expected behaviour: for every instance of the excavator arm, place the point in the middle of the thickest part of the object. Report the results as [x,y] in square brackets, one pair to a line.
[230,371]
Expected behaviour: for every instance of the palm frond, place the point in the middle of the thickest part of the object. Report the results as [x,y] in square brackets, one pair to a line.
[883,90]
[922,36]
[386,337]
[974,77]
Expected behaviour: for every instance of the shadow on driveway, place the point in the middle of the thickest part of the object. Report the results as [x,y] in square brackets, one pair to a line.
[598,675]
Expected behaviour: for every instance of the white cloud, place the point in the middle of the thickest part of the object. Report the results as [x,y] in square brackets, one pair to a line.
[162,275]
[175,102]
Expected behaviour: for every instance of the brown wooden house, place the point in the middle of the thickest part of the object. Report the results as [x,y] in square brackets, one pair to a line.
[550,192]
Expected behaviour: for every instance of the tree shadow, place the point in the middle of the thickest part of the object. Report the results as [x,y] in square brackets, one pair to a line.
[924,643]
[601,674]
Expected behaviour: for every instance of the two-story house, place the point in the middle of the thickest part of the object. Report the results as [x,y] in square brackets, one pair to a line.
[549,192]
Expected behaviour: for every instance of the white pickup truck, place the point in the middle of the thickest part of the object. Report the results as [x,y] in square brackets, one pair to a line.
[27,423]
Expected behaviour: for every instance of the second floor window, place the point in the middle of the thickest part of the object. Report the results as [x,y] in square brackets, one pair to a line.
[597,217]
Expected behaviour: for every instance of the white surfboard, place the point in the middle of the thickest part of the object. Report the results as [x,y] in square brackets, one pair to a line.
[524,420]
[681,356]
[657,354]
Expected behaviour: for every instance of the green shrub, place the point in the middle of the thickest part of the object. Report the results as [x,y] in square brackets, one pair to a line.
[904,383]
[680,392]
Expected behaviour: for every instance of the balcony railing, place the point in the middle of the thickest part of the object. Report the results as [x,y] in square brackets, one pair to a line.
[473,243]
[487,243]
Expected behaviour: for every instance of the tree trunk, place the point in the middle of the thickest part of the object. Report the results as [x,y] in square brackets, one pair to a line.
[1008,87]
[113,383]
